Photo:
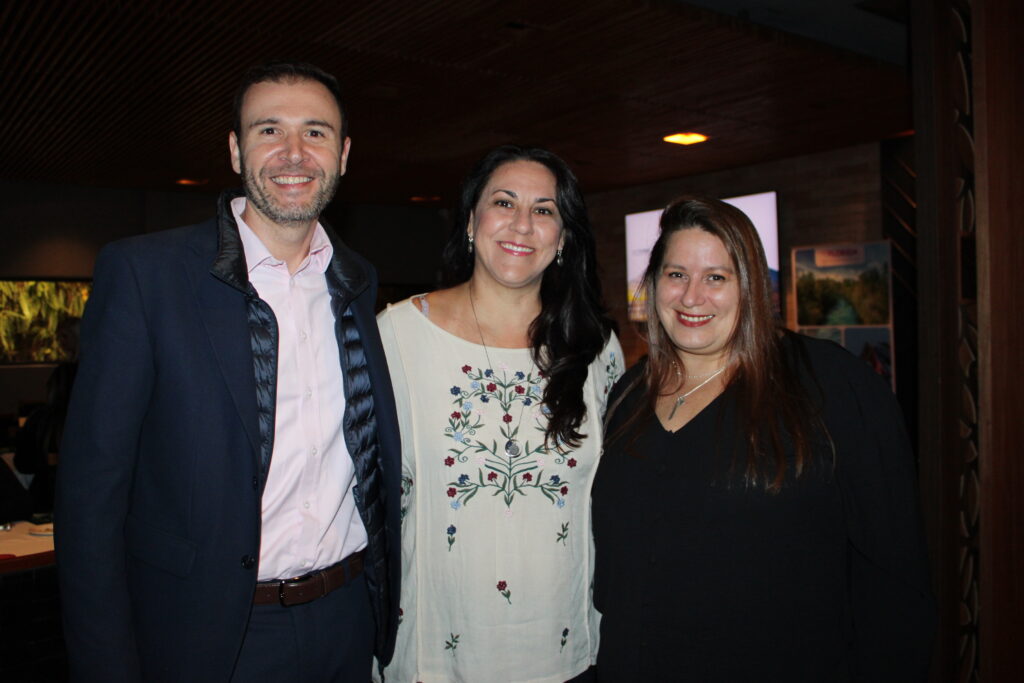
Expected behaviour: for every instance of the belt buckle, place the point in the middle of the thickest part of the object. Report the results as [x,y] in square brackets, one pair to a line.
[286,583]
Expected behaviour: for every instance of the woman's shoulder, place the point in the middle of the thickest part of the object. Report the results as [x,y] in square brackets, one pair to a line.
[398,309]
[398,318]
[833,366]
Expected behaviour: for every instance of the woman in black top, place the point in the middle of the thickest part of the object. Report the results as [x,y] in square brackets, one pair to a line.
[754,511]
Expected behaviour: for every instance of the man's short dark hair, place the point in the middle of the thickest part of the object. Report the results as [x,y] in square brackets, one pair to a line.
[287,72]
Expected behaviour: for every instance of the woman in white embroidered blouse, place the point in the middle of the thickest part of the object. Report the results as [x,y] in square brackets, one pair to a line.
[501,384]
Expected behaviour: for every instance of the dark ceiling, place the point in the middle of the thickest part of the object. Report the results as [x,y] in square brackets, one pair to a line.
[128,93]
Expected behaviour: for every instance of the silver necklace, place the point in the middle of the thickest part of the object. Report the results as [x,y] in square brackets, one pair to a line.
[512,448]
[679,373]
[681,399]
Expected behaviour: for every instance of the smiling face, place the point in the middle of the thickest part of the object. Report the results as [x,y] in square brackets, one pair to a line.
[697,296]
[291,152]
[515,225]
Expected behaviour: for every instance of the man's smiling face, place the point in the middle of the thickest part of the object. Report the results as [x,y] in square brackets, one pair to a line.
[291,152]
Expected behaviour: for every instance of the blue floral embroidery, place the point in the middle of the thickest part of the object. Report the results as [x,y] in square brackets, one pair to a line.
[455,391]
[451,536]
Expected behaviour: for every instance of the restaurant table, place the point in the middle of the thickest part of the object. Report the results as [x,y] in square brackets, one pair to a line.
[25,546]
[31,639]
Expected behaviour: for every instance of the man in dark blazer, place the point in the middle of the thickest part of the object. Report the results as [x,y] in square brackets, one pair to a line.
[227,502]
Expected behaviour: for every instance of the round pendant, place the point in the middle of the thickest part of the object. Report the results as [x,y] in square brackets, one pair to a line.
[511,448]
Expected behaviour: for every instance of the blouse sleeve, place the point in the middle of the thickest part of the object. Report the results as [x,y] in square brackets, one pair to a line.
[392,338]
[608,368]
[892,605]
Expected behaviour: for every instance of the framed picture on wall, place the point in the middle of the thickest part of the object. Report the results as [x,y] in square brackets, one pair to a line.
[844,293]
[39,319]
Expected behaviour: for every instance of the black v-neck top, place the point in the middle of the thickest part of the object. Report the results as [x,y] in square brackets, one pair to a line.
[701,578]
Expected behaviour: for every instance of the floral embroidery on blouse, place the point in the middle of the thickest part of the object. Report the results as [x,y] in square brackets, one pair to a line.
[513,393]
[406,484]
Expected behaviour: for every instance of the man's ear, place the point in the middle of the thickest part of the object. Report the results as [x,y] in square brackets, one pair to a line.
[343,162]
[236,161]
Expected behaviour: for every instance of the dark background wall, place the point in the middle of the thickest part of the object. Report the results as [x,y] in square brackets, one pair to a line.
[57,230]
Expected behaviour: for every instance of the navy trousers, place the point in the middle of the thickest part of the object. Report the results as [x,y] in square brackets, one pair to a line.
[326,640]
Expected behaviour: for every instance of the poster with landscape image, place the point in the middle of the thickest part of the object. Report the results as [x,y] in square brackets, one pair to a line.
[843,293]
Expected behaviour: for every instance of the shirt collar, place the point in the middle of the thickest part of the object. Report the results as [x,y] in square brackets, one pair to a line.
[257,254]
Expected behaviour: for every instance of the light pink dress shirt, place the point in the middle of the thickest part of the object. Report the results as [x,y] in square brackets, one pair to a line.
[310,520]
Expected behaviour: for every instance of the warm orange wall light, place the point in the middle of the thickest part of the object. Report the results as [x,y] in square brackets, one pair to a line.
[685,138]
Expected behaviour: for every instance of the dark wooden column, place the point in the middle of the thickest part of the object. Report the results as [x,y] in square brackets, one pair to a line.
[999,114]
[968,78]
[947,325]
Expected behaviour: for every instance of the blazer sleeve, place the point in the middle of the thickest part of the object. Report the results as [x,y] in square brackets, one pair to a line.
[94,479]
[890,597]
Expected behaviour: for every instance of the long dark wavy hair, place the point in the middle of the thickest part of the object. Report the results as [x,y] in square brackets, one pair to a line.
[572,326]
[770,397]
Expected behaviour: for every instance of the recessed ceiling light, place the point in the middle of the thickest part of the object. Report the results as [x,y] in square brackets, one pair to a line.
[685,138]
[419,198]
[190,181]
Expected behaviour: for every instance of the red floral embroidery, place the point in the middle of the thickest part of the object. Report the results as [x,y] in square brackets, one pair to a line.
[527,477]
[492,386]
[491,476]
[456,416]
[451,493]
[520,389]
[507,418]
[505,592]
[572,462]
[449,461]
[467,368]
[564,490]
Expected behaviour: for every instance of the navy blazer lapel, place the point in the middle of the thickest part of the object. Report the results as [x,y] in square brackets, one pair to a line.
[221,286]
[223,311]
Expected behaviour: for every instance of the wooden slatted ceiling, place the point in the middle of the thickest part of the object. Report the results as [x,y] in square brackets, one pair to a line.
[134,93]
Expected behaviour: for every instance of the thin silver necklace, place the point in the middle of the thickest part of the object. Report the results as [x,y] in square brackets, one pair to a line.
[512,448]
[681,399]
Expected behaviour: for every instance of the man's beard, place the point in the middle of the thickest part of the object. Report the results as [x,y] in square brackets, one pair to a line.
[266,204]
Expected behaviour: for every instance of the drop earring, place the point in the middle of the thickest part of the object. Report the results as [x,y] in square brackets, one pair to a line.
[558,257]
[471,243]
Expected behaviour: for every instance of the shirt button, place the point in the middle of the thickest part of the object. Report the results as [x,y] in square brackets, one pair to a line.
[302,336]
[309,392]
[313,450]
[255,483]
[248,561]
[306,505]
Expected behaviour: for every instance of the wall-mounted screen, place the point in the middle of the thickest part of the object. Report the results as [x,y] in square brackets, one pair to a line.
[38,319]
[642,232]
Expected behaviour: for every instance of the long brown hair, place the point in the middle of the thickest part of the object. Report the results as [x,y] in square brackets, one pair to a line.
[572,326]
[770,398]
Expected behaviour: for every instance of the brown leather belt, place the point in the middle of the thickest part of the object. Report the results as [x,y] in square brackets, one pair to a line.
[309,587]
